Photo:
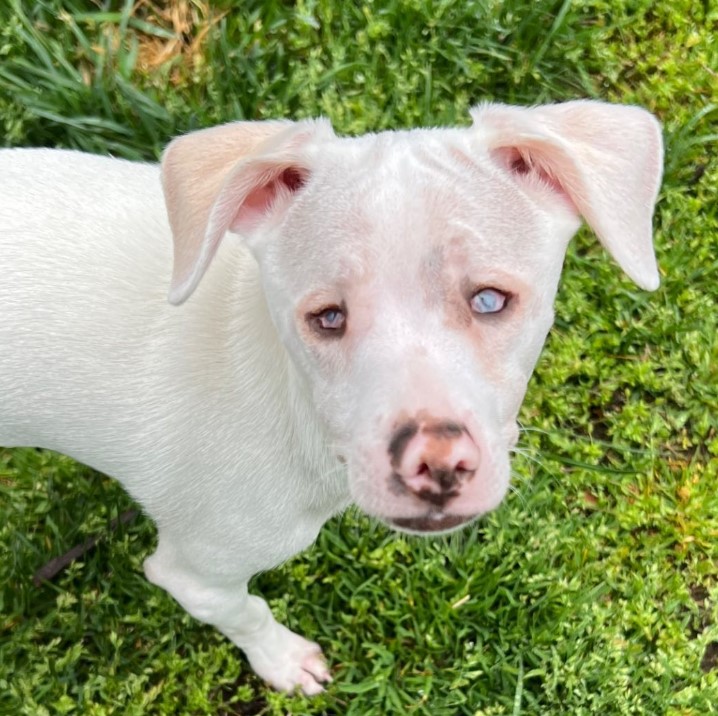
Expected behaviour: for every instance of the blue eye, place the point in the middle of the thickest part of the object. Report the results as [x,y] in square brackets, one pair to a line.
[329,322]
[332,319]
[488,300]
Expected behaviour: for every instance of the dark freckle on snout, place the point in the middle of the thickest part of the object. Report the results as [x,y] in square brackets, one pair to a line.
[438,499]
[400,440]
[445,430]
[446,479]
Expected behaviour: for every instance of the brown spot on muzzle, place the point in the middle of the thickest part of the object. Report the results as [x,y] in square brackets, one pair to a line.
[400,440]
[445,478]
[438,499]
[446,429]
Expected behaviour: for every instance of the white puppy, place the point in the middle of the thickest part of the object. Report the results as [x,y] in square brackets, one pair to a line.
[368,339]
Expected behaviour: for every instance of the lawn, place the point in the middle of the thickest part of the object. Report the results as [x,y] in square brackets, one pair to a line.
[594,588]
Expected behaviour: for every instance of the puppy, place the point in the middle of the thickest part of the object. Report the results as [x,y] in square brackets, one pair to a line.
[371,313]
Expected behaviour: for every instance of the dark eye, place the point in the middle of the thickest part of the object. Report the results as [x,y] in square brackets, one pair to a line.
[329,322]
[489,300]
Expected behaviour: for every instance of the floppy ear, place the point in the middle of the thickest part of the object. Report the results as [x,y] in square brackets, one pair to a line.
[231,177]
[606,159]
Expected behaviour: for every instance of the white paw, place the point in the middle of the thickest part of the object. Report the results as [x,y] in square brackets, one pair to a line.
[289,662]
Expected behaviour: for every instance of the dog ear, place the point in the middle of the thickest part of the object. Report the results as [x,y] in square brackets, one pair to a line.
[606,159]
[229,178]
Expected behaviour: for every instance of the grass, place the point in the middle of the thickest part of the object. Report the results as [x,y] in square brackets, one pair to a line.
[594,588]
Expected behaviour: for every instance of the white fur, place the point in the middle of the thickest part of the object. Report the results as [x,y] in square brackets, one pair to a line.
[238,428]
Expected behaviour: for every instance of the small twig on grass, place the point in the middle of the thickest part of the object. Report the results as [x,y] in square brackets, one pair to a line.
[56,565]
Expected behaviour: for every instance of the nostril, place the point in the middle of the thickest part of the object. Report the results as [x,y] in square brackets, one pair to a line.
[433,460]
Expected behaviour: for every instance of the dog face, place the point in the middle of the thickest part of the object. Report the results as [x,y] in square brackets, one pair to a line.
[416,316]
[411,276]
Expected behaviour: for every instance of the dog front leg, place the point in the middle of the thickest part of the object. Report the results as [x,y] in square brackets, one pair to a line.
[284,659]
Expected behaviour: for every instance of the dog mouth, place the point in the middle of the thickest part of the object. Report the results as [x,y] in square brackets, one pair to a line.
[431,523]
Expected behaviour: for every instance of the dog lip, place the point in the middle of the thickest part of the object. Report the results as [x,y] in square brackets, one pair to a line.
[432,522]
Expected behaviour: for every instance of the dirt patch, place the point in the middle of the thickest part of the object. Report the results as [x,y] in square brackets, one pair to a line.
[709,662]
[700,595]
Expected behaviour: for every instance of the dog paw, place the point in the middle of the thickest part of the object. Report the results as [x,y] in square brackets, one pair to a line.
[314,672]
[288,662]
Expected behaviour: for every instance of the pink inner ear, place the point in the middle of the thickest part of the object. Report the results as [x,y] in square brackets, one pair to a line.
[517,163]
[258,203]
[523,162]
[293,178]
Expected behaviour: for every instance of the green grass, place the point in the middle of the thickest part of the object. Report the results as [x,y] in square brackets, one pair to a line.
[594,588]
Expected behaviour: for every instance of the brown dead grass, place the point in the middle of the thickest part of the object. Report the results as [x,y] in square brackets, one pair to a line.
[189,21]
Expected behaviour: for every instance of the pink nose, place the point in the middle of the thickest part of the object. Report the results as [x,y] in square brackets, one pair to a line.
[433,460]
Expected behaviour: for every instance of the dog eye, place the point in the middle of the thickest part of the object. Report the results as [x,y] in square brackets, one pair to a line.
[329,321]
[489,300]
[332,319]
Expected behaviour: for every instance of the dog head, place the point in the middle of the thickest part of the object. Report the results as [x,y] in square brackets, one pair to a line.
[411,275]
